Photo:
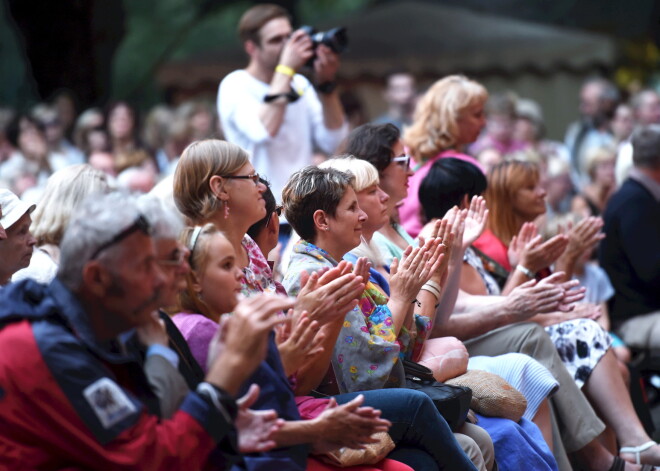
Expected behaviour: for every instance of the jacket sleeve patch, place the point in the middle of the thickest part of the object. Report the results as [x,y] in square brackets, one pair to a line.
[109,402]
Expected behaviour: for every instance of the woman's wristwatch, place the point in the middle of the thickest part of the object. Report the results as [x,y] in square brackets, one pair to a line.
[526,271]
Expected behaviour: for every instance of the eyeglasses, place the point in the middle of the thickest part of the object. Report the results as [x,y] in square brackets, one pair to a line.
[140,224]
[278,211]
[402,160]
[253,176]
[176,260]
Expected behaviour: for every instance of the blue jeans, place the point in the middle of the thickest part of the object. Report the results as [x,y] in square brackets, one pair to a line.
[423,438]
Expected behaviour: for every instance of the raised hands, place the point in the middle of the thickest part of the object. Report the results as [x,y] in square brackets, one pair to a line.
[475,221]
[298,340]
[256,428]
[326,64]
[583,237]
[529,250]
[416,268]
[349,425]
[297,50]
[328,295]
[242,340]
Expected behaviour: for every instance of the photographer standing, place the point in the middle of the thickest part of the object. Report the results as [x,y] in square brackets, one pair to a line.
[271,111]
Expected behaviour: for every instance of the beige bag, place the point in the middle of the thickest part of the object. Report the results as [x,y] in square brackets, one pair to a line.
[371,454]
[492,395]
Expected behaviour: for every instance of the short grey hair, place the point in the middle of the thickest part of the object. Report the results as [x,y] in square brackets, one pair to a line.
[646,146]
[100,218]
[165,223]
[311,189]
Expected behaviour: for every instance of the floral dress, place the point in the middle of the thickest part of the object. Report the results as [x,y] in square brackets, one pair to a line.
[580,343]
[257,275]
[366,355]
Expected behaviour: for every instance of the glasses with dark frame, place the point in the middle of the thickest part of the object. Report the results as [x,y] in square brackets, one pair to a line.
[140,224]
[278,211]
[253,176]
[402,160]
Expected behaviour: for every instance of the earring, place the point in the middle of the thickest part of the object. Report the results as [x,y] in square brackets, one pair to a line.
[226,209]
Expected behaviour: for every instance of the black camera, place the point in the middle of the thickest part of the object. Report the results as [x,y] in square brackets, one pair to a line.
[336,39]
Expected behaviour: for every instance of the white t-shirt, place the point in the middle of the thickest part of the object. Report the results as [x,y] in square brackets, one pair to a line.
[239,98]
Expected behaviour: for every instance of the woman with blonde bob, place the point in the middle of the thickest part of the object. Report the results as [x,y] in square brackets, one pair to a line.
[448,118]
[64,191]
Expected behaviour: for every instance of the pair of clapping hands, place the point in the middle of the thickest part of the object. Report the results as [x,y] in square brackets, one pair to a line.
[241,344]
[528,249]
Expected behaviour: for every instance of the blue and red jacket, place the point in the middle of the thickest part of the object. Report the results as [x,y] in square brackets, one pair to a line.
[69,402]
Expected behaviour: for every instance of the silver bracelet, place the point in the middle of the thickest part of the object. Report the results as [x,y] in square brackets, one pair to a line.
[526,271]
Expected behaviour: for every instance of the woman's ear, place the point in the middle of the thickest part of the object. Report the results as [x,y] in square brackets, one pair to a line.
[217,186]
[195,283]
[320,219]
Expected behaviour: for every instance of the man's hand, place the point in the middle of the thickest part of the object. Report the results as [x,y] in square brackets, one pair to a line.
[297,50]
[256,428]
[533,298]
[326,64]
[153,331]
[348,425]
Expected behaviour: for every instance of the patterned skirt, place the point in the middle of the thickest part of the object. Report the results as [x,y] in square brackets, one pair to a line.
[581,343]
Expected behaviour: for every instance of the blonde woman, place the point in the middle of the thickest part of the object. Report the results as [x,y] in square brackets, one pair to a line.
[448,118]
[64,191]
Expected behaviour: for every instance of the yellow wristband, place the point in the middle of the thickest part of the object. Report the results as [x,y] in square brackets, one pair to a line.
[285,69]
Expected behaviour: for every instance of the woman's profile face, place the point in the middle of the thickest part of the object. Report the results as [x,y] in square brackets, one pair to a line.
[604,173]
[220,280]
[470,123]
[245,197]
[346,225]
[373,201]
[394,178]
[529,201]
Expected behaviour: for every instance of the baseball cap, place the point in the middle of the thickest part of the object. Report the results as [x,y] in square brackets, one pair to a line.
[12,208]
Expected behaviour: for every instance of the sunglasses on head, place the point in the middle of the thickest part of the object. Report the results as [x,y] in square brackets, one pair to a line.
[278,211]
[402,160]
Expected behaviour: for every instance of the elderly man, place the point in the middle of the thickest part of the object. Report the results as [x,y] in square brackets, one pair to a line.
[16,242]
[70,394]
[630,253]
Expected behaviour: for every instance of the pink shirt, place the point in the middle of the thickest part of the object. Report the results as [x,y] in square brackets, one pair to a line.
[410,211]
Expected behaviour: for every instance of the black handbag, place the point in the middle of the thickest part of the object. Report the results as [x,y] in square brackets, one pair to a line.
[453,402]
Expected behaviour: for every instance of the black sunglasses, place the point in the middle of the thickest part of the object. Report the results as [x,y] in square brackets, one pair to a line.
[140,224]
[278,211]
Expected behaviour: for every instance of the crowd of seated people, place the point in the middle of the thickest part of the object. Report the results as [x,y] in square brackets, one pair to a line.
[170,299]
